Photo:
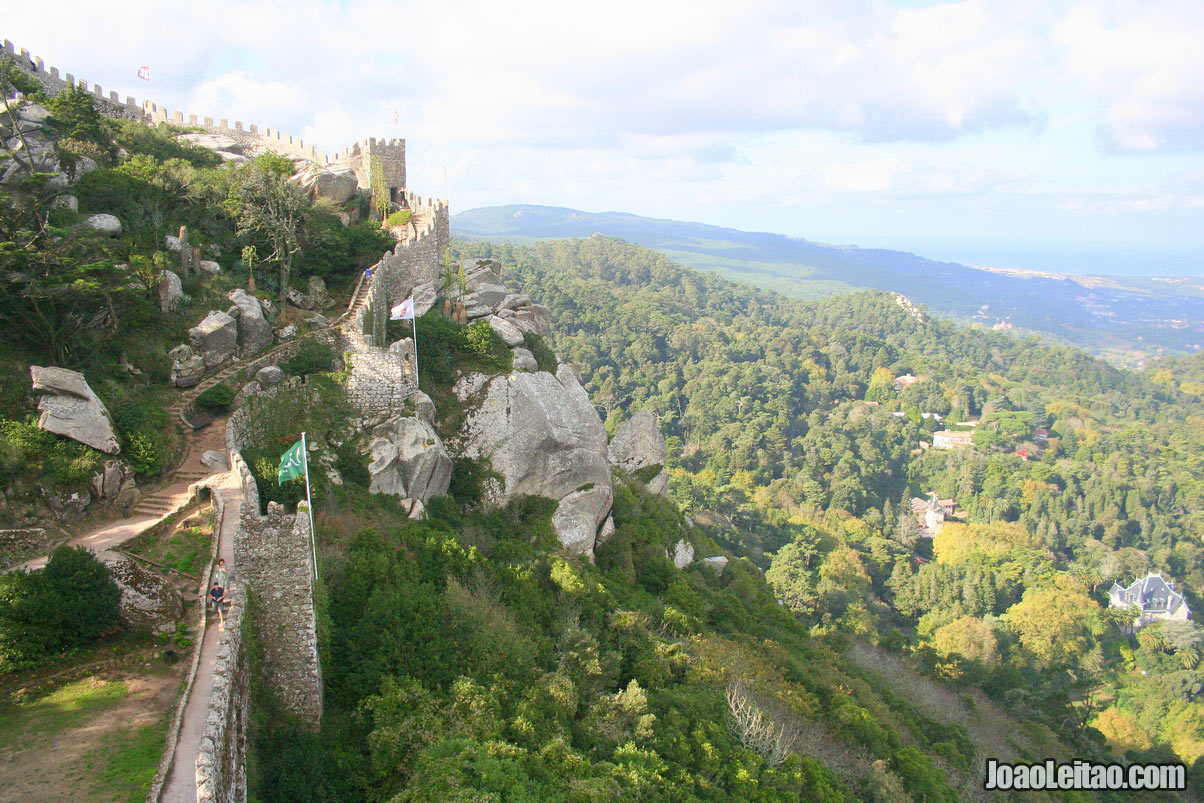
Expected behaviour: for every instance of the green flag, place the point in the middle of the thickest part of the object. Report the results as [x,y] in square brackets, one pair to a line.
[292,463]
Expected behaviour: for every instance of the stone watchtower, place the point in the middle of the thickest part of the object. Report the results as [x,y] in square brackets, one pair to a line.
[392,155]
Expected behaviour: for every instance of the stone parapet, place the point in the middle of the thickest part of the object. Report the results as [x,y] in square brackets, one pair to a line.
[272,555]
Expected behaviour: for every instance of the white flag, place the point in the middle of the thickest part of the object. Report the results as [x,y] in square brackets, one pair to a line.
[403,311]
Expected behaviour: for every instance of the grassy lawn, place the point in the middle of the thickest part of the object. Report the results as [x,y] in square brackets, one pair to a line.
[66,707]
[90,740]
[124,766]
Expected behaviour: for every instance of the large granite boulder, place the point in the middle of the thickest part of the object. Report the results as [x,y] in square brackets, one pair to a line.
[70,408]
[408,460]
[424,298]
[254,330]
[508,332]
[638,444]
[187,367]
[105,224]
[683,554]
[67,507]
[148,602]
[579,516]
[542,435]
[336,184]
[318,295]
[215,338]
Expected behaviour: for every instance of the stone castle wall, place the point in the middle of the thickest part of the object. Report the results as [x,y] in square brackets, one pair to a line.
[53,83]
[272,560]
[382,377]
[418,257]
[390,151]
[272,555]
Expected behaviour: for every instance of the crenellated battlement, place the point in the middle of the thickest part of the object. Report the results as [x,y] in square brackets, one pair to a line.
[391,151]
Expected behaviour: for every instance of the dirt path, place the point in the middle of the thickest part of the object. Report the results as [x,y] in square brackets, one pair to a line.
[158,504]
[180,786]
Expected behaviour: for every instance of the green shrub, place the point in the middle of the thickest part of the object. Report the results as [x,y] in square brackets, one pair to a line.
[216,399]
[921,777]
[28,449]
[265,464]
[487,346]
[446,348]
[398,218]
[352,464]
[160,142]
[70,603]
[333,250]
[314,357]
[145,443]
[468,480]
[75,116]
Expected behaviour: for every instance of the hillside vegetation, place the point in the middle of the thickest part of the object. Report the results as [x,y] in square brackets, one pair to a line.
[787,433]
[1126,318]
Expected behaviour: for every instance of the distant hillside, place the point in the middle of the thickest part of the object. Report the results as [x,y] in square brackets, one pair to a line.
[1124,319]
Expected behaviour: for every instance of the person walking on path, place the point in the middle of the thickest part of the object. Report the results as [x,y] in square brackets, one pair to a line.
[218,595]
[219,573]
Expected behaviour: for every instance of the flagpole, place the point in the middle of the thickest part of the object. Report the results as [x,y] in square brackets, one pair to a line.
[309,504]
[414,323]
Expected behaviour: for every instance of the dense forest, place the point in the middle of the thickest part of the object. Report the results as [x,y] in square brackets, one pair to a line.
[789,436]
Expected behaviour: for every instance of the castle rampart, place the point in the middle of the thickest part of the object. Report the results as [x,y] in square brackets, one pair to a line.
[390,151]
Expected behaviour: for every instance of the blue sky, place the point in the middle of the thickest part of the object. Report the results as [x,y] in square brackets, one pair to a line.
[1018,133]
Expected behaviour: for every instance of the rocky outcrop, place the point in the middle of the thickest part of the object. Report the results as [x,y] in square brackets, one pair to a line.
[187,367]
[408,460]
[543,436]
[334,183]
[215,338]
[148,602]
[524,360]
[317,293]
[70,408]
[269,376]
[107,483]
[67,507]
[683,554]
[108,225]
[639,444]
[507,331]
[171,291]
[579,516]
[254,331]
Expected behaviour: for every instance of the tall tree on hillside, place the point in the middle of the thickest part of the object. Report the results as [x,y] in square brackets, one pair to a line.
[264,201]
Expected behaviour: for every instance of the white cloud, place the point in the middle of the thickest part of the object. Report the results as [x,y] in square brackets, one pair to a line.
[1144,63]
[779,114]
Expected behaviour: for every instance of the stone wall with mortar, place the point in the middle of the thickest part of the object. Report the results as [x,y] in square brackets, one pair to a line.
[272,555]
[418,257]
[382,378]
